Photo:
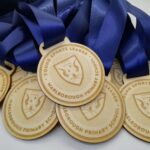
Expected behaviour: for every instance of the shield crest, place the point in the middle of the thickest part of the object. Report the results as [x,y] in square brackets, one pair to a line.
[70,70]
[118,76]
[91,110]
[143,103]
[32,102]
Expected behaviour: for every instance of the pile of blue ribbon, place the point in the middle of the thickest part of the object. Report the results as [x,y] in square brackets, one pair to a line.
[102,25]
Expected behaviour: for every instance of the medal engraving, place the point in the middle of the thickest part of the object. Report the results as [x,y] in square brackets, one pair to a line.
[136,96]
[96,121]
[27,112]
[33,101]
[143,103]
[70,70]
[91,110]
[5,80]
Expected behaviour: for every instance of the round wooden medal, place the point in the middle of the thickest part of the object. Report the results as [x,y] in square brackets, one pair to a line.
[70,74]
[27,112]
[97,121]
[136,94]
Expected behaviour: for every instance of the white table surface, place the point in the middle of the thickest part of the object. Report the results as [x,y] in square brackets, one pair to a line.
[58,139]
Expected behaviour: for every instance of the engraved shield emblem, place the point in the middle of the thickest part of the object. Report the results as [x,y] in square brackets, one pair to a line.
[143,103]
[32,102]
[91,110]
[118,76]
[70,70]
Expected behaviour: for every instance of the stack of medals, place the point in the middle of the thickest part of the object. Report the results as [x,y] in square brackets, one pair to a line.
[70,87]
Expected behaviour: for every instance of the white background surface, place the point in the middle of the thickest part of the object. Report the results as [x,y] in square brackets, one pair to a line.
[58,139]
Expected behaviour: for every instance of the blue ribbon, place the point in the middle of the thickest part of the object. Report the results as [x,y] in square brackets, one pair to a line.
[10,42]
[66,10]
[51,27]
[79,26]
[5,29]
[143,26]
[132,54]
[45,5]
[107,41]
[97,24]
[98,12]
[38,24]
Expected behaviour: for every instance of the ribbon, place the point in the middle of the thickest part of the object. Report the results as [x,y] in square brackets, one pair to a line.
[10,42]
[93,23]
[98,12]
[46,5]
[107,41]
[66,10]
[143,26]
[5,29]
[38,24]
[79,26]
[51,27]
[132,54]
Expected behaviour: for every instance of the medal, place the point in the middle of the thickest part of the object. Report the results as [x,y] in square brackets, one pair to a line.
[97,121]
[103,117]
[27,112]
[70,74]
[135,90]
[5,79]
[136,93]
